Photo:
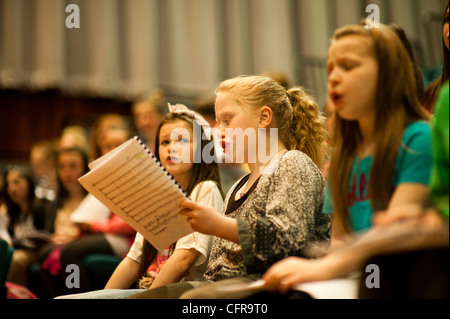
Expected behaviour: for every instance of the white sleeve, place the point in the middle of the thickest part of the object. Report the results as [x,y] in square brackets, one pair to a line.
[206,193]
[135,252]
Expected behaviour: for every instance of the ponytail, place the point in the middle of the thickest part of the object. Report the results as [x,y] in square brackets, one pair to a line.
[307,130]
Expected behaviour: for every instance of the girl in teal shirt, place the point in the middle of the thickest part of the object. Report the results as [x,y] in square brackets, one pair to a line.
[381,155]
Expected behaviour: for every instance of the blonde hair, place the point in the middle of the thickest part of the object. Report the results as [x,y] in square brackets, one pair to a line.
[301,126]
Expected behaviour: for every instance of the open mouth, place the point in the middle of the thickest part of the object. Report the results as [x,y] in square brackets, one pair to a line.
[172,159]
[336,98]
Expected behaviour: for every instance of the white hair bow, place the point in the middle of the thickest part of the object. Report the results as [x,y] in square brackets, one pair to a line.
[181,108]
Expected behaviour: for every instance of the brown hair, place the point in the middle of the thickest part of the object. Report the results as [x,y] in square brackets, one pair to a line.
[301,126]
[432,90]
[63,193]
[155,97]
[13,209]
[101,124]
[397,105]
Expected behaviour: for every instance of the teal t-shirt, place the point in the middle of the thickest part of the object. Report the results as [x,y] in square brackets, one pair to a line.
[413,165]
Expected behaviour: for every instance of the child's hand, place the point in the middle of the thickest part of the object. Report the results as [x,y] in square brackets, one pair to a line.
[203,219]
[413,213]
[288,272]
[207,220]
[398,213]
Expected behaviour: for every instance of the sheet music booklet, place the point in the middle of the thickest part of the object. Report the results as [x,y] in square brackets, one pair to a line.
[131,182]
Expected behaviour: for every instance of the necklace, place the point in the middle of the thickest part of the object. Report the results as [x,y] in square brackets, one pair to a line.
[244,189]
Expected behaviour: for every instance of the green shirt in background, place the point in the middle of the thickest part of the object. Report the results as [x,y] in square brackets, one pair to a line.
[439,183]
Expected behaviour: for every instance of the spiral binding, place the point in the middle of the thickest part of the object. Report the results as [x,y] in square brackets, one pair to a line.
[160,165]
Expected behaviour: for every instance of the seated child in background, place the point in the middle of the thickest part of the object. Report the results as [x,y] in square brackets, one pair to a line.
[22,217]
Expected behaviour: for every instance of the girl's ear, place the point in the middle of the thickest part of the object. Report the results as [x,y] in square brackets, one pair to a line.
[265,117]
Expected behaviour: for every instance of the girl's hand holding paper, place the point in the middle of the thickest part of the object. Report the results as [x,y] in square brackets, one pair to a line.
[207,220]
[203,219]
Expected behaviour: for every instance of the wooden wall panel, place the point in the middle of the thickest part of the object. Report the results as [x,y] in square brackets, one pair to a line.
[28,117]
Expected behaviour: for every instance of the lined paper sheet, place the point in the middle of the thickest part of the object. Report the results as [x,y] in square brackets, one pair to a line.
[133,184]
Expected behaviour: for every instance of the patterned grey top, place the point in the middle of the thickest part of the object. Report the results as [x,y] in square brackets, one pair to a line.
[279,218]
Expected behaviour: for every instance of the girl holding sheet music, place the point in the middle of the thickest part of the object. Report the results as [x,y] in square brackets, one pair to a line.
[276,210]
[185,259]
